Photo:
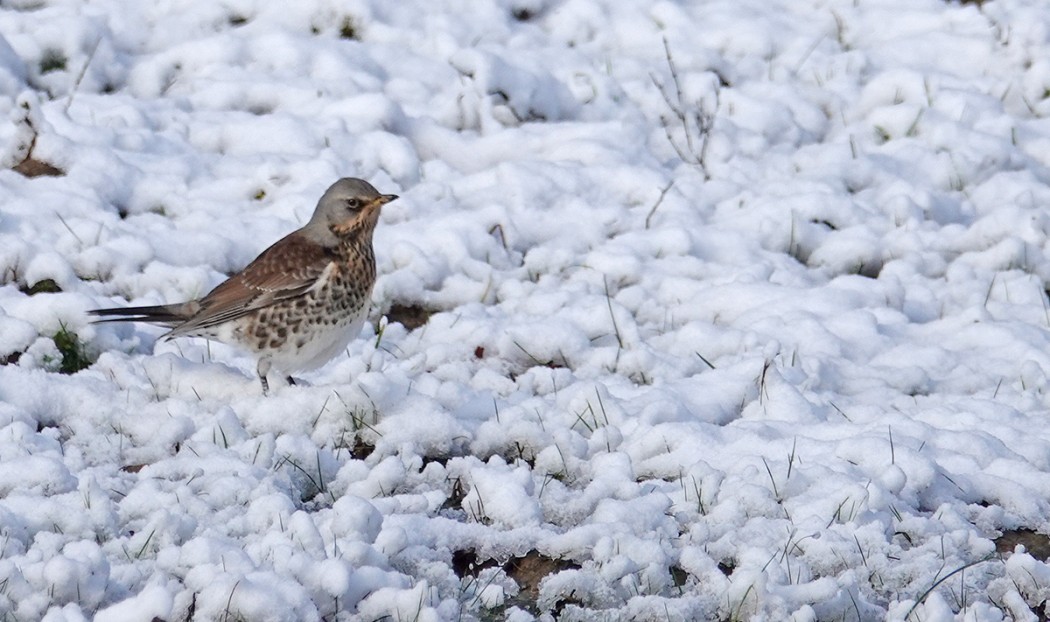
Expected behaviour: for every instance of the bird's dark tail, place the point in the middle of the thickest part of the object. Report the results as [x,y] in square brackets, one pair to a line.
[163,315]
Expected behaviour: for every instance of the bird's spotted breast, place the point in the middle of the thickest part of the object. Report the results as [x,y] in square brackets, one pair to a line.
[299,327]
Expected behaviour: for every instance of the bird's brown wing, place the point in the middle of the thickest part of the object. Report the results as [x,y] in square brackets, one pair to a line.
[285,270]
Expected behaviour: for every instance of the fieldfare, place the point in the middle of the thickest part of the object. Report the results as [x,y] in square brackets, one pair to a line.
[301,301]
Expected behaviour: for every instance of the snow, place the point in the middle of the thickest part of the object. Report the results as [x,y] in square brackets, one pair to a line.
[733,310]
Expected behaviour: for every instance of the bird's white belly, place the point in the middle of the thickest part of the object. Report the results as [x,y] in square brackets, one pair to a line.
[321,344]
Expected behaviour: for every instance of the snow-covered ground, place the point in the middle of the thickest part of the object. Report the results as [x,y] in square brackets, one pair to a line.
[737,310]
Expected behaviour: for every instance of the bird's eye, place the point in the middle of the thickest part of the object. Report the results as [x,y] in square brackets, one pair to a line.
[353,203]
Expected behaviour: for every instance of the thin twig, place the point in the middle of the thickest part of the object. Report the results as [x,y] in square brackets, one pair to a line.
[83,72]
[694,118]
[659,200]
[943,579]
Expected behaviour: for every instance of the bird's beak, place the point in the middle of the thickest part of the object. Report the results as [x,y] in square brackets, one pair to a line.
[380,201]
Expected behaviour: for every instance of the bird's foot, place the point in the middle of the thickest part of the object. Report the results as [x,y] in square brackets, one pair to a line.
[262,369]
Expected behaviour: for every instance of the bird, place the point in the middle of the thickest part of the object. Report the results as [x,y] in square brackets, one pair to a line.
[300,302]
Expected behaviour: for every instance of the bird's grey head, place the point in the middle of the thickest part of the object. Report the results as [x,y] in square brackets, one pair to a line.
[348,209]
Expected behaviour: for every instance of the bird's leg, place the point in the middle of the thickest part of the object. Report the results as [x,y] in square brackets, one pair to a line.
[262,369]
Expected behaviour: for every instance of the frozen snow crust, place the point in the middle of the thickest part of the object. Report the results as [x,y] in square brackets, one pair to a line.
[757,331]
